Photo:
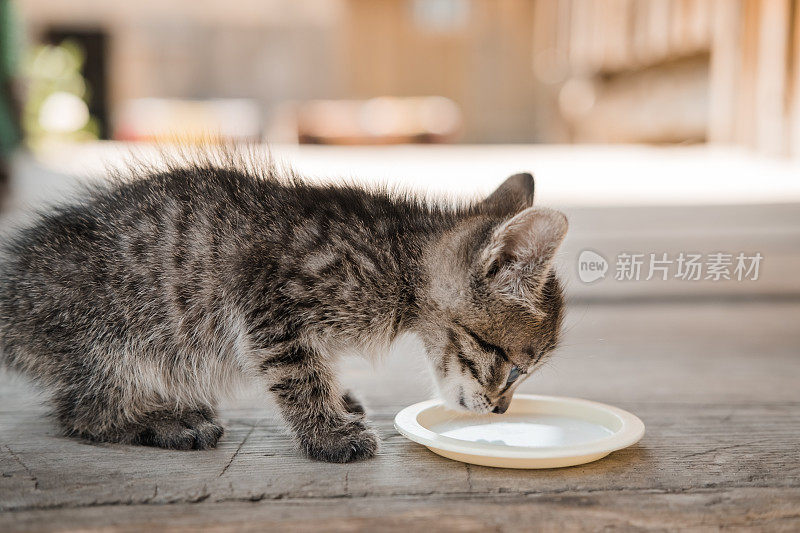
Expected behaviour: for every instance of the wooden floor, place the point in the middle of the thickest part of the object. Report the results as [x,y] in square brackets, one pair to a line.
[716,385]
[713,370]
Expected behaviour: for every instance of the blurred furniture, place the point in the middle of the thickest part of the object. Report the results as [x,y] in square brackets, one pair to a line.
[384,120]
[674,70]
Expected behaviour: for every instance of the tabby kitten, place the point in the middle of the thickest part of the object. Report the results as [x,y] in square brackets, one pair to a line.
[140,306]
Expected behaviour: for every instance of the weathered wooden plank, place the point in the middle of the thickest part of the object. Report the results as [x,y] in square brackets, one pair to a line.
[687,446]
[715,385]
[761,509]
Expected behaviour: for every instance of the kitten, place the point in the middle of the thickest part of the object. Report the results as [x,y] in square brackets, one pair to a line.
[139,306]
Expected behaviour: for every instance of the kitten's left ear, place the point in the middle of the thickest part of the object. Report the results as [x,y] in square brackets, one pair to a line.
[512,196]
[521,250]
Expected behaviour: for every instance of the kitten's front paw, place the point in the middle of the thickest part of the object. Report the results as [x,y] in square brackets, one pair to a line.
[352,441]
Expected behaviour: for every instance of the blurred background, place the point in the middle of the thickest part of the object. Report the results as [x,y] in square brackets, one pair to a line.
[650,106]
[409,71]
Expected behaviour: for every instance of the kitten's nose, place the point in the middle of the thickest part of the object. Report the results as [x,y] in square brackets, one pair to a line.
[500,409]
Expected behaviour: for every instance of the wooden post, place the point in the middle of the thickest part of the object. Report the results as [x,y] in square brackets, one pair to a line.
[771,77]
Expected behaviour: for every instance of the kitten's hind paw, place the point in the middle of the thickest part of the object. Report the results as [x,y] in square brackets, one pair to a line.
[352,441]
[190,430]
[353,404]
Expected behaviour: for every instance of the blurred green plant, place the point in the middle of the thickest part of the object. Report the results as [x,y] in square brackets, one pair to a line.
[9,51]
[57,94]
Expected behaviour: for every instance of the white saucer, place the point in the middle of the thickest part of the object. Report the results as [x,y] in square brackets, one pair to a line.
[535,432]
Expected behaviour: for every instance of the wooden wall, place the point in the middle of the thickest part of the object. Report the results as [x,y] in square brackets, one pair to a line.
[484,65]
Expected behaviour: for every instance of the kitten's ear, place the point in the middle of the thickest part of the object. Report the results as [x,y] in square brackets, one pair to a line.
[512,196]
[520,252]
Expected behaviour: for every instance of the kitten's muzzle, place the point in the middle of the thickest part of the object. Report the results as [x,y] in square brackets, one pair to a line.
[502,405]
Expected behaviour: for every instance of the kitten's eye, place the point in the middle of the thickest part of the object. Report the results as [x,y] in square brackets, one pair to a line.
[513,375]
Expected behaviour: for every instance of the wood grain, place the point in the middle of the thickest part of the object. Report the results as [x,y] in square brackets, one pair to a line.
[714,384]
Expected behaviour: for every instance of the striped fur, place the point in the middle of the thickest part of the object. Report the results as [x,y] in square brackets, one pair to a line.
[142,305]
